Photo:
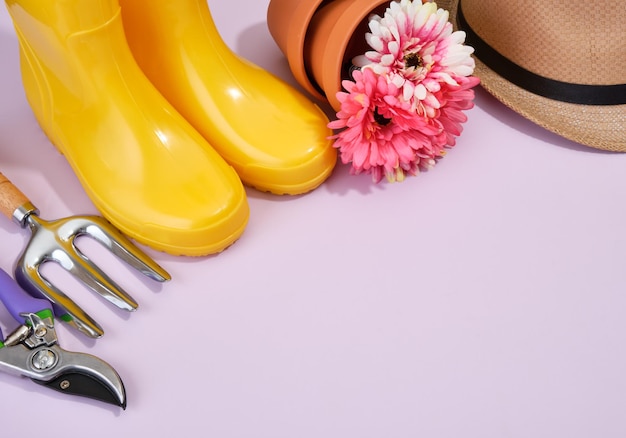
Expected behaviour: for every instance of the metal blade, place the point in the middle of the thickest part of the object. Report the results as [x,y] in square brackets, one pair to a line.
[85,385]
[84,375]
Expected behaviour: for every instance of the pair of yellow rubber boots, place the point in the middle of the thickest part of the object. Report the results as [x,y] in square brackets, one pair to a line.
[161,122]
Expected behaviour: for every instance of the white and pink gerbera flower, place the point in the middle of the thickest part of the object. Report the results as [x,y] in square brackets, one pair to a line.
[415,46]
[406,102]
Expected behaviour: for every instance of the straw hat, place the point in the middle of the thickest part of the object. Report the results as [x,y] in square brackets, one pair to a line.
[561,64]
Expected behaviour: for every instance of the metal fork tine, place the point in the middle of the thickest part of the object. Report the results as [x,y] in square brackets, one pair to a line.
[37,285]
[88,273]
[55,241]
[109,236]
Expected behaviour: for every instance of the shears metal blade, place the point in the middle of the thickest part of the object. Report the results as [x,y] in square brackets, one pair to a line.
[32,350]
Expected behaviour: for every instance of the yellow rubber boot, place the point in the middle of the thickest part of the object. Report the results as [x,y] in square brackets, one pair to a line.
[146,169]
[274,137]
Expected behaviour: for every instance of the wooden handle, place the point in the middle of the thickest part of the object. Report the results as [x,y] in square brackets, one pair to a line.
[11,198]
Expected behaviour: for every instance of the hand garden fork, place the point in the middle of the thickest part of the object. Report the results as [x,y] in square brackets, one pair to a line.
[55,241]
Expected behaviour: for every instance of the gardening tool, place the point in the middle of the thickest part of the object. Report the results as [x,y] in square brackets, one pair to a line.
[32,350]
[55,241]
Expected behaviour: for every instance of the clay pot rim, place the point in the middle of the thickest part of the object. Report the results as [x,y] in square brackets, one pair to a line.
[290,23]
[297,30]
[350,19]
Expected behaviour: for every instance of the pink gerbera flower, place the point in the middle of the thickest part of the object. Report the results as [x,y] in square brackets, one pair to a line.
[455,100]
[380,134]
[406,104]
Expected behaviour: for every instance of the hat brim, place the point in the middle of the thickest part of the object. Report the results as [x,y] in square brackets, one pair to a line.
[598,126]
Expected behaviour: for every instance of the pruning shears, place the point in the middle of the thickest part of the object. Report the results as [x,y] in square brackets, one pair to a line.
[32,350]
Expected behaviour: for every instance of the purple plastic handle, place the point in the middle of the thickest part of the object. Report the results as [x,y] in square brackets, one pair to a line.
[17,300]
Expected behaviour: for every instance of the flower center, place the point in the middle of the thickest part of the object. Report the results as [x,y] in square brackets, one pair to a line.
[380,119]
[413,60]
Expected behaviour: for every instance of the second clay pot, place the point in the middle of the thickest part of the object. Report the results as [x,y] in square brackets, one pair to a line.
[320,38]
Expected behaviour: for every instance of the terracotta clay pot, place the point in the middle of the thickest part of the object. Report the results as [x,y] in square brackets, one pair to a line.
[320,38]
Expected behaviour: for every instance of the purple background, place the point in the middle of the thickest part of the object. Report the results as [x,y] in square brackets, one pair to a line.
[483,299]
